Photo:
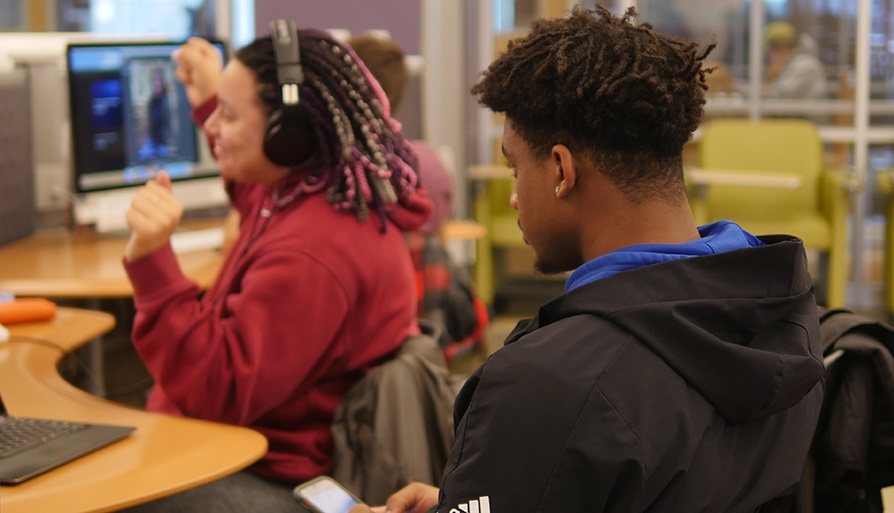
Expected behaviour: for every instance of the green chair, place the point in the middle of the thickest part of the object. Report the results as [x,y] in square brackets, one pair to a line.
[815,210]
[493,186]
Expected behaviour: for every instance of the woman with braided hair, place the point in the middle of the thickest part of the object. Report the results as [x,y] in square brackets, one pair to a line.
[317,288]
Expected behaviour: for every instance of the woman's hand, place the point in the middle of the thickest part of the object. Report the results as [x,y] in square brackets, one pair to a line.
[413,498]
[199,66]
[153,216]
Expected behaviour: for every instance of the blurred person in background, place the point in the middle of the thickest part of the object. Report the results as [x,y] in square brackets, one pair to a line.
[794,71]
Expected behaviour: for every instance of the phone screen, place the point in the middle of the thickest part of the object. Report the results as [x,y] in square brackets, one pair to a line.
[328,497]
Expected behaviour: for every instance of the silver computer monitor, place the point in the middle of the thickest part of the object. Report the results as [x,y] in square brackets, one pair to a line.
[130,118]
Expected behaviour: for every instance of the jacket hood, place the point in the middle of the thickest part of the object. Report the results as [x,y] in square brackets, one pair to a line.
[740,327]
[411,211]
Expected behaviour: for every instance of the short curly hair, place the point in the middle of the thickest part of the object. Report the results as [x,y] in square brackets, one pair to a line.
[624,94]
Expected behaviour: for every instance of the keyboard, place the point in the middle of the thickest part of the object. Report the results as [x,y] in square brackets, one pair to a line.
[19,434]
[187,241]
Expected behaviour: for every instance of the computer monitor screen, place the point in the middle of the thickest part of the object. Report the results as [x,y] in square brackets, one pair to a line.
[130,117]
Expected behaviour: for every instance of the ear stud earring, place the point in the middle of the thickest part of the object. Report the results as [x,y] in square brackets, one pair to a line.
[557,189]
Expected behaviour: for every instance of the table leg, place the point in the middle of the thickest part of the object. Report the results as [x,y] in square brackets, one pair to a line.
[96,360]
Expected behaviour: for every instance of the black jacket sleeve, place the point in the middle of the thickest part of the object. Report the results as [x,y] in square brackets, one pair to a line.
[533,439]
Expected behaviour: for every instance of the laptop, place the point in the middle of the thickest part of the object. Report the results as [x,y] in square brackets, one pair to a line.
[30,447]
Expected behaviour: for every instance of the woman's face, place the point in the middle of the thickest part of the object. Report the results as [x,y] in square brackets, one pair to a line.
[237,128]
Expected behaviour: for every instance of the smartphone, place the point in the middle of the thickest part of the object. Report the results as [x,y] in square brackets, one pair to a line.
[325,495]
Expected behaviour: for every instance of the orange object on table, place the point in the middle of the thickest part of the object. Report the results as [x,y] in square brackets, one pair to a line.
[26,310]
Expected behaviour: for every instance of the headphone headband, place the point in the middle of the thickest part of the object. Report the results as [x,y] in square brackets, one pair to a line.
[290,137]
[288,60]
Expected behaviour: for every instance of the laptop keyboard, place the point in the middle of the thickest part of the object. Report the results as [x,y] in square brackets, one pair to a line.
[19,434]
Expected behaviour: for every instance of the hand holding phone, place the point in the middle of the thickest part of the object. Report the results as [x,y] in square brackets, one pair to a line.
[325,495]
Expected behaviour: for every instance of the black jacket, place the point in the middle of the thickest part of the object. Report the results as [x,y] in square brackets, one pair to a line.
[687,386]
[854,443]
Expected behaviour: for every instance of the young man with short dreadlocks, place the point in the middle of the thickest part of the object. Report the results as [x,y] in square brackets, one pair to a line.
[681,371]
[319,286]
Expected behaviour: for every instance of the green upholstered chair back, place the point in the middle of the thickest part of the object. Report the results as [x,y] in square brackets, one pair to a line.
[787,146]
[498,192]
[816,211]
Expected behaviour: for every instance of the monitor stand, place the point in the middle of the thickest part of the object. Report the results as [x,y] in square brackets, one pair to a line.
[105,210]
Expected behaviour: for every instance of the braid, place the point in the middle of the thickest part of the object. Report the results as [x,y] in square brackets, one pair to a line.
[365,161]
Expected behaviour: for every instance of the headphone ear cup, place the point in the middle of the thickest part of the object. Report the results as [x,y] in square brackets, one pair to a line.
[290,138]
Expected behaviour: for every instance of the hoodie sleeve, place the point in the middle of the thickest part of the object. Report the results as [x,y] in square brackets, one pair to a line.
[526,443]
[237,368]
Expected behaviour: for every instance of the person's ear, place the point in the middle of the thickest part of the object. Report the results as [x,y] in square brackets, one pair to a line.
[565,172]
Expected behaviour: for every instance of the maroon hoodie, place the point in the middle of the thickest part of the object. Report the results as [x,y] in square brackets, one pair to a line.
[308,299]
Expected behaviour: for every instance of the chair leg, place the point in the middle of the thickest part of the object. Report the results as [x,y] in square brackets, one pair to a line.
[484,272]
[484,258]
[836,278]
[889,259]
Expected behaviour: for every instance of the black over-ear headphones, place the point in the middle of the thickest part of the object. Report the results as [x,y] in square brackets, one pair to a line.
[289,139]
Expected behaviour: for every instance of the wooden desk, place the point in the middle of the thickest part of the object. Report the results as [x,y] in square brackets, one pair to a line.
[463,230]
[165,455]
[699,180]
[741,177]
[81,264]
[489,172]
[693,175]
[65,264]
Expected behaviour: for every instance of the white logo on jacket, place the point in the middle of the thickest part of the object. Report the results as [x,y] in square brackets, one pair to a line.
[481,505]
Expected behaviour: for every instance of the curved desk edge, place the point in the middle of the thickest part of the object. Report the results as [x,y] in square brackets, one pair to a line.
[165,455]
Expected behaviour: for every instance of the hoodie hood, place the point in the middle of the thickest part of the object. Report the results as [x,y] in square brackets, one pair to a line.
[412,210]
[740,327]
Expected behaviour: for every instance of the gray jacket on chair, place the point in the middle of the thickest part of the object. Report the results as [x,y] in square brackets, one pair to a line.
[395,426]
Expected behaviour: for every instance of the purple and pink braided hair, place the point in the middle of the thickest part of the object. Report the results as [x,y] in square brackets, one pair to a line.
[365,161]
